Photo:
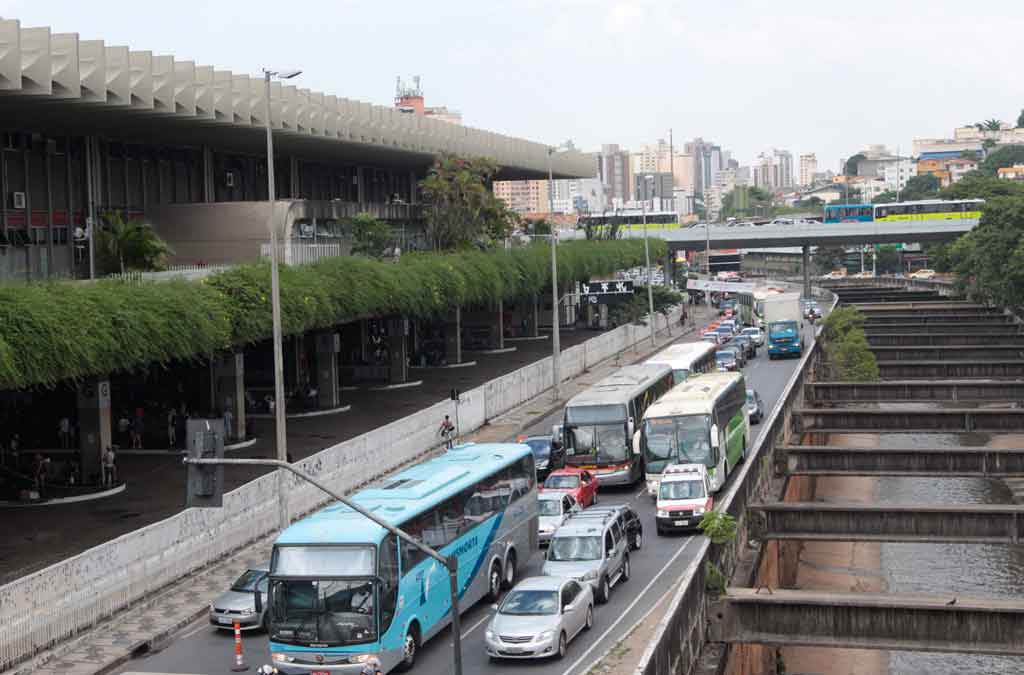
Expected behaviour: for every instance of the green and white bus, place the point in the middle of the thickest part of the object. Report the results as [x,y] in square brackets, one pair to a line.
[702,421]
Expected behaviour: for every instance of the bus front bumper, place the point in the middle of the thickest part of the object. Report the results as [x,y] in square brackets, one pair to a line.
[304,663]
[613,477]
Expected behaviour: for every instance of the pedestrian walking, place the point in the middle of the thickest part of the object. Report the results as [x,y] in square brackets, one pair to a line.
[138,428]
[124,426]
[172,427]
[109,467]
[229,424]
[64,432]
[447,433]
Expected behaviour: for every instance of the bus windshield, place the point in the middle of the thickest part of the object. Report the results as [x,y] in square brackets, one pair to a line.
[597,434]
[685,439]
[324,612]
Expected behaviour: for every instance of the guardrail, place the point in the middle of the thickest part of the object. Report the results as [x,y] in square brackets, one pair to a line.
[679,637]
[43,608]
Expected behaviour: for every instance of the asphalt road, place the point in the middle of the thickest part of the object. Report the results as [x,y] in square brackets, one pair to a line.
[656,568]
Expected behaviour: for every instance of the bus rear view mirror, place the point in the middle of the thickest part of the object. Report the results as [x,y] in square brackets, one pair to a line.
[714,436]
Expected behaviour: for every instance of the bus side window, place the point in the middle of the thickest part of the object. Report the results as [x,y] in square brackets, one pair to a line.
[389,581]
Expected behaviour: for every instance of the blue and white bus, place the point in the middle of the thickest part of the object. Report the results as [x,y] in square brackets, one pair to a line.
[343,590]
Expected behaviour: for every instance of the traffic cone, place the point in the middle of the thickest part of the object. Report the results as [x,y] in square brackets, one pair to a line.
[240,665]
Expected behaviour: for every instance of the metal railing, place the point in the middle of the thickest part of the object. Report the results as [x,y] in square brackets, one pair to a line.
[186,272]
[294,253]
[680,635]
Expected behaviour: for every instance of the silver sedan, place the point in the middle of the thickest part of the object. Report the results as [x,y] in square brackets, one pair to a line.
[538,618]
[238,604]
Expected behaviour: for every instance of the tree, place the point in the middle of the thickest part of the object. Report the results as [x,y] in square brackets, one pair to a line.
[887,260]
[850,168]
[828,258]
[1007,155]
[539,226]
[989,125]
[990,258]
[923,186]
[370,237]
[848,355]
[462,210]
[976,185]
[129,245]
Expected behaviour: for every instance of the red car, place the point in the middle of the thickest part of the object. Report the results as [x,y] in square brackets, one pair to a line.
[580,483]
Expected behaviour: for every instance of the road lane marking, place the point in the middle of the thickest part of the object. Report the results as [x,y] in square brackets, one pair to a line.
[624,613]
[475,626]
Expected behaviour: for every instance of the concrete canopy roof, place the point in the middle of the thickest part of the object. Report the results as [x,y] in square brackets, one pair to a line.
[60,84]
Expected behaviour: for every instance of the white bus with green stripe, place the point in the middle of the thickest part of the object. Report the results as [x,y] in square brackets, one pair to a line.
[701,421]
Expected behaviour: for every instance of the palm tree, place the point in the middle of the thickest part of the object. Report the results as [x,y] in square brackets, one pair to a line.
[989,125]
[130,245]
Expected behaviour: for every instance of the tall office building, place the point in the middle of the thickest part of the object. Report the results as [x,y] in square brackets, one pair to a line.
[616,176]
[707,158]
[774,171]
[808,167]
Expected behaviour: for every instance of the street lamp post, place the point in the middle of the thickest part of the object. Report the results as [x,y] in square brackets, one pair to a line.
[556,346]
[647,258]
[280,431]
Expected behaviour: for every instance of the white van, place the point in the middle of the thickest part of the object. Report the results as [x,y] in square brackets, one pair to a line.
[684,496]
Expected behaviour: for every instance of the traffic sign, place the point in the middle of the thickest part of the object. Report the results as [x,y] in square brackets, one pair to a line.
[606,292]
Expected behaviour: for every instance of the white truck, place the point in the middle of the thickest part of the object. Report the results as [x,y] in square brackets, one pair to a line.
[781,307]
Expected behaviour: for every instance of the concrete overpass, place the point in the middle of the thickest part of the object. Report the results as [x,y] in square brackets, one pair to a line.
[825,460]
[869,621]
[807,234]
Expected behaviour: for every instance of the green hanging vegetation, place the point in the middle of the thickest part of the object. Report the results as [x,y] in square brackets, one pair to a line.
[51,332]
[847,354]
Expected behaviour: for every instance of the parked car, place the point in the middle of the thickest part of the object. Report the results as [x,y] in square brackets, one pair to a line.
[538,618]
[863,275]
[922,274]
[591,547]
[755,409]
[553,509]
[684,496]
[580,483]
[238,603]
[755,334]
[726,360]
[547,455]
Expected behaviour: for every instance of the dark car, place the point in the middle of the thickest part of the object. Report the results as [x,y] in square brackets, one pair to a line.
[547,456]
[726,360]
[755,409]
[744,341]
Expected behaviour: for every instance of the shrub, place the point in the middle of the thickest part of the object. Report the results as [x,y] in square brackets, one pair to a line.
[849,357]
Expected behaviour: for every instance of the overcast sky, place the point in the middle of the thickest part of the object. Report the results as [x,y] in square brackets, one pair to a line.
[807,76]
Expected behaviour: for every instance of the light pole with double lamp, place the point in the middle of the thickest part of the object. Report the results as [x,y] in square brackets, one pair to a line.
[280,405]
[647,256]
[556,346]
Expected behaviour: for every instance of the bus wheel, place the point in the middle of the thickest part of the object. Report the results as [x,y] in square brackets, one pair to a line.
[494,582]
[409,649]
[510,570]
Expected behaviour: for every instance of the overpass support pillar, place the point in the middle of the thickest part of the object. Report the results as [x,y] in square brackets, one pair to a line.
[361,185]
[94,425]
[497,339]
[328,345]
[230,388]
[453,337]
[412,187]
[398,361]
[806,250]
[603,316]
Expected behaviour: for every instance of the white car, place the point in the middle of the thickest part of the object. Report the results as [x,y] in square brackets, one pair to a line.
[755,334]
[922,274]
[554,508]
[684,496]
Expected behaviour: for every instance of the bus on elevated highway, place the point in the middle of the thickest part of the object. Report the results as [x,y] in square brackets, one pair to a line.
[702,421]
[343,590]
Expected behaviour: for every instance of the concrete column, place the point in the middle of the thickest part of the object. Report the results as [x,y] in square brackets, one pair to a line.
[498,329]
[531,312]
[603,317]
[295,178]
[591,313]
[360,185]
[230,386]
[209,184]
[328,344]
[412,187]
[398,365]
[94,425]
[806,250]
[453,337]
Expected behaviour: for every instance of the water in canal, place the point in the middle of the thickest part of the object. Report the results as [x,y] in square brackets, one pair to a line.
[957,569]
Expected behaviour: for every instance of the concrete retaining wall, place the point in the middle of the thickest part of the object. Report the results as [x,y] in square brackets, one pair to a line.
[59,601]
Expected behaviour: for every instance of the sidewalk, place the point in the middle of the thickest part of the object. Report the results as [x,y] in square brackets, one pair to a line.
[154,621]
[33,538]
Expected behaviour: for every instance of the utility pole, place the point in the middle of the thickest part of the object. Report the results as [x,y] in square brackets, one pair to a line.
[647,257]
[556,347]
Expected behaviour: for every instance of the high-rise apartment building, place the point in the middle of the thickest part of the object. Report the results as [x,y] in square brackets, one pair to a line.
[616,176]
[523,196]
[808,167]
[707,158]
[774,171]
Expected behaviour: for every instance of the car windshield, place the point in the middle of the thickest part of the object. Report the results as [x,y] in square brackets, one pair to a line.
[530,603]
[605,441]
[564,549]
[750,331]
[549,507]
[685,439]
[563,482]
[247,582]
[681,489]
[541,447]
[725,356]
[328,612]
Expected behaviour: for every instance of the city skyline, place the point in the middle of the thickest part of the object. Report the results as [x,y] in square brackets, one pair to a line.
[456,47]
